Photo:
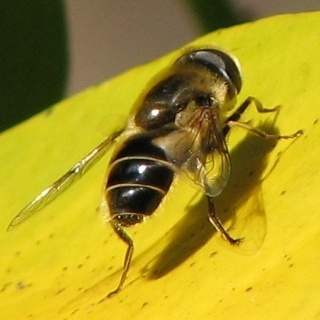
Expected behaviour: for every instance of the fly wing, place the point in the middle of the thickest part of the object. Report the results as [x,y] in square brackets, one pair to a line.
[63,183]
[217,167]
[205,161]
[210,167]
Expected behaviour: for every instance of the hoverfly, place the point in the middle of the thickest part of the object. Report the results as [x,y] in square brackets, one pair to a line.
[179,126]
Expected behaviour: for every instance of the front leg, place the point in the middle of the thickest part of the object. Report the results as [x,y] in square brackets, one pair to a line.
[233,121]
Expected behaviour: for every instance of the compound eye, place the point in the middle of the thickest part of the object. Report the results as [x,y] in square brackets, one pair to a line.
[217,61]
[231,66]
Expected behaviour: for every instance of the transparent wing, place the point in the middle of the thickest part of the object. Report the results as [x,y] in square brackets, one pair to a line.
[250,221]
[64,182]
[244,207]
[213,170]
[210,168]
[202,156]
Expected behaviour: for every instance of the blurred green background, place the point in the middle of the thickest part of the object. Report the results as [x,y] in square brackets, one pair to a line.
[34,58]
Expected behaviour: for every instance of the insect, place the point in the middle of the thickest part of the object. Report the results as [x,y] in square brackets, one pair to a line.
[178,127]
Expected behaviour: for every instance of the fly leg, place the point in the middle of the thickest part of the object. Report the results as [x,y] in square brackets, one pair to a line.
[215,221]
[127,259]
[233,121]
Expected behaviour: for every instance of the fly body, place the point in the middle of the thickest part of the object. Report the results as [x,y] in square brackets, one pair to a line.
[178,127]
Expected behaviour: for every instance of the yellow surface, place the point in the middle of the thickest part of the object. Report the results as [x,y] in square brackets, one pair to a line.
[61,263]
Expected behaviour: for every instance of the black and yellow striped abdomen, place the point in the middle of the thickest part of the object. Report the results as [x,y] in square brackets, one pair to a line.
[139,178]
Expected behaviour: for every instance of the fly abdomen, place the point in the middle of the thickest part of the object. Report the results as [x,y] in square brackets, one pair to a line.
[138,179]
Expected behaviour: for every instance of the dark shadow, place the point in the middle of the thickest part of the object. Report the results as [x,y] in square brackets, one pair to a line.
[249,160]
